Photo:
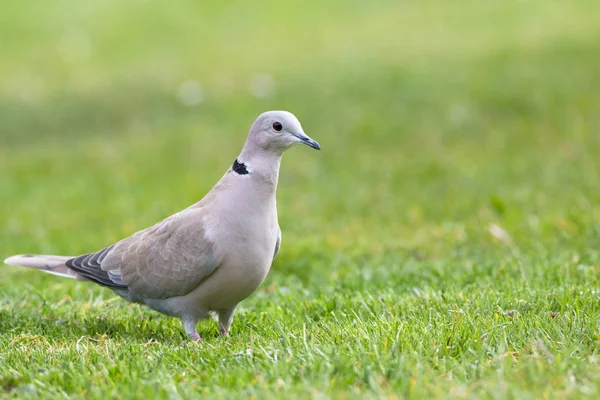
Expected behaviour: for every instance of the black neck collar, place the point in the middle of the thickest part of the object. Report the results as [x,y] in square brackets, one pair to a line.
[239,168]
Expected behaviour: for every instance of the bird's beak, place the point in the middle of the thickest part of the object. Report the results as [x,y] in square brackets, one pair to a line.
[304,139]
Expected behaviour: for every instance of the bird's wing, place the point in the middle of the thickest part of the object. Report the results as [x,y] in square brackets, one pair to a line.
[166,260]
[278,243]
[88,266]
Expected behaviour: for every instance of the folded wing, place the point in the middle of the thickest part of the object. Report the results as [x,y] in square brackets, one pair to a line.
[166,260]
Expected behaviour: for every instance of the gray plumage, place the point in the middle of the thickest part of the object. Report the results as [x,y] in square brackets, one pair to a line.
[208,257]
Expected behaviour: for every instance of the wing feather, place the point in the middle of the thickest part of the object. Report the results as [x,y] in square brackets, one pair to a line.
[88,265]
[166,260]
[278,243]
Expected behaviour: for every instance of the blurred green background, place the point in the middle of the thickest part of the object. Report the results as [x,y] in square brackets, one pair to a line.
[459,177]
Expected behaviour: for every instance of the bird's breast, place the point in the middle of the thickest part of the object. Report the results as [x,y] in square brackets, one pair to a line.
[244,242]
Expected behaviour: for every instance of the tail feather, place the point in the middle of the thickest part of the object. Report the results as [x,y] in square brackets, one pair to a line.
[54,265]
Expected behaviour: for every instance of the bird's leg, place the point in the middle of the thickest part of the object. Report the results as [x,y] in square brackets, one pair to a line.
[225,320]
[189,325]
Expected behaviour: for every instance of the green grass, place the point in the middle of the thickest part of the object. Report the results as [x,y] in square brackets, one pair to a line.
[445,242]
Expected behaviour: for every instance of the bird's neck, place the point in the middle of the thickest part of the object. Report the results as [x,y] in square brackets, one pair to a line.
[262,166]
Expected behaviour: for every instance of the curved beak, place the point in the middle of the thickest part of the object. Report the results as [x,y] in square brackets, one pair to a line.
[304,139]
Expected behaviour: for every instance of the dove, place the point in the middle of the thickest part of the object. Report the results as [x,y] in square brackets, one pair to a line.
[209,257]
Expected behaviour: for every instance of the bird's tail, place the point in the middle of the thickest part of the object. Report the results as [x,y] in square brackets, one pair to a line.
[51,264]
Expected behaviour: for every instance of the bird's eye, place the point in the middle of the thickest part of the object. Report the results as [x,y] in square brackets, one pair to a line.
[277,126]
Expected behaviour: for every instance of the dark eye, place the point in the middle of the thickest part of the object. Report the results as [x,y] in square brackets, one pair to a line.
[277,126]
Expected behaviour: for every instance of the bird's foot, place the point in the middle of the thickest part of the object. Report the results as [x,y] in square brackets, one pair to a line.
[224,331]
[189,324]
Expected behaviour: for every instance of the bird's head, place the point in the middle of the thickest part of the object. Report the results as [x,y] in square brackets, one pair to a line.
[278,131]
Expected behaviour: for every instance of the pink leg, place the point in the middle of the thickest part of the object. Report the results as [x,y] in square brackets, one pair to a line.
[225,320]
[189,324]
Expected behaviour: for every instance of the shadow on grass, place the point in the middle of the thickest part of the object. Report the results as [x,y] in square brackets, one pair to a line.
[141,329]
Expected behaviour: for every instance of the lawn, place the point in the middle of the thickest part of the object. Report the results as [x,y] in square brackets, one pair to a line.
[444,244]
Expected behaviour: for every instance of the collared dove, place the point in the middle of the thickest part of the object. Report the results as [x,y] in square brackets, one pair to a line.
[208,257]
